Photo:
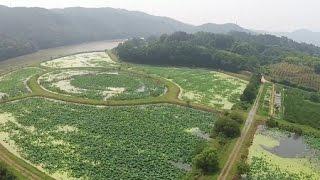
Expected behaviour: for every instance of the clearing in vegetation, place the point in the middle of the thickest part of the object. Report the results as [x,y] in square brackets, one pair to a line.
[275,154]
[105,142]
[94,59]
[14,83]
[202,86]
[102,85]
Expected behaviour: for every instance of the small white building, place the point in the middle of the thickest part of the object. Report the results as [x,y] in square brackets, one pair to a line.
[263,80]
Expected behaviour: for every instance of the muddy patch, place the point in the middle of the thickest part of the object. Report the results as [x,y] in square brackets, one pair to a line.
[112,91]
[197,132]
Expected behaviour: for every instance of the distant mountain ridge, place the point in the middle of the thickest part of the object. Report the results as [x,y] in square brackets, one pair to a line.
[302,35]
[222,28]
[24,30]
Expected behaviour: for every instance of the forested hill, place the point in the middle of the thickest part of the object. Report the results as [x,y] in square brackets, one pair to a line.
[25,30]
[233,52]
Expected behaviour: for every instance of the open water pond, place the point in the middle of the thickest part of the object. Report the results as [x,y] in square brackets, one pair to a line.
[291,146]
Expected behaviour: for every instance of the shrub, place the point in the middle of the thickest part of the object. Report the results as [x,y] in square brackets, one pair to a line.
[227,127]
[298,131]
[272,123]
[207,161]
[315,97]
[236,116]
[243,167]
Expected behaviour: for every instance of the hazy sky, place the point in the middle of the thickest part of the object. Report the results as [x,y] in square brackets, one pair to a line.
[272,15]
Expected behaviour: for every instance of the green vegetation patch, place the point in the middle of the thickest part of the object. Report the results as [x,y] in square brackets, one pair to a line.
[201,86]
[138,142]
[298,109]
[102,85]
[15,83]
[264,104]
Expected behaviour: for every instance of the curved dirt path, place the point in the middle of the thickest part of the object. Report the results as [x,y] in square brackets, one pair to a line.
[237,147]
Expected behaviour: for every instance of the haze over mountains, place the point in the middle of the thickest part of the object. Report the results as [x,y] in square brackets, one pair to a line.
[302,35]
[25,30]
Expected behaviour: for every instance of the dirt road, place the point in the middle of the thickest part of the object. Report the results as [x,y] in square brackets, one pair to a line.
[233,156]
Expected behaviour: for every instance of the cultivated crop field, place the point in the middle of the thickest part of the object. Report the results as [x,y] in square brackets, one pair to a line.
[151,141]
[295,74]
[276,155]
[101,85]
[14,83]
[201,86]
[94,59]
[298,109]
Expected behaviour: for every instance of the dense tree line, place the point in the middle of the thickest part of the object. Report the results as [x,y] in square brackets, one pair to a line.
[233,52]
[251,91]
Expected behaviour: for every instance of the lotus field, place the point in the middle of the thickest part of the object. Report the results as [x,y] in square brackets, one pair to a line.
[101,85]
[136,142]
[14,83]
[201,86]
[86,116]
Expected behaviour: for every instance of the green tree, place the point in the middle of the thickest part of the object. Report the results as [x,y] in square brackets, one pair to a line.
[243,167]
[207,161]
[271,122]
[227,127]
[236,116]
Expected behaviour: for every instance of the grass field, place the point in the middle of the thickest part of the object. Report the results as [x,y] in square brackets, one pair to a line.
[14,83]
[300,110]
[201,86]
[151,141]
